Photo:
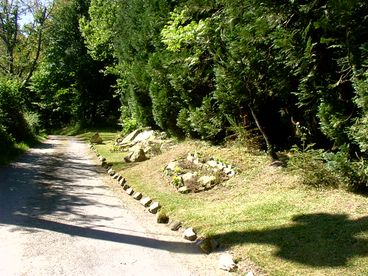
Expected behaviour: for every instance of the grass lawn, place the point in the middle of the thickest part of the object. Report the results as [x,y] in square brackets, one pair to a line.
[264,214]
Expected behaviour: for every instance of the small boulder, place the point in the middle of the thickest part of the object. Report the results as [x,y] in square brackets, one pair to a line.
[189,234]
[208,245]
[122,181]
[145,135]
[96,139]
[161,217]
[137,196]
[207,180]
[171,166]
[184,190]
[189,178]
[190,157]
[146,201]
[227,263]
[129,191]
[130,137]
[154,207]
[232,173]
[137,155]
[175,225]
[212,163]
[111,172]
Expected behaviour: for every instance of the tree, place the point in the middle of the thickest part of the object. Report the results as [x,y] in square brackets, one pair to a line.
[69,83]
[21,44]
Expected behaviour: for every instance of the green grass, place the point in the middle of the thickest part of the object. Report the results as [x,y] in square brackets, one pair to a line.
[264,214]
[11,153]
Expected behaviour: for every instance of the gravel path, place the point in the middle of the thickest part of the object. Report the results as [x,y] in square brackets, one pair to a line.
[58,217]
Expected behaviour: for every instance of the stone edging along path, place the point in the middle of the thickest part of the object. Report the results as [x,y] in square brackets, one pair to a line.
[205,245]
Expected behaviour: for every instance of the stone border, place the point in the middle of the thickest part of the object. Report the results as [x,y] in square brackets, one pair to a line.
[206,245]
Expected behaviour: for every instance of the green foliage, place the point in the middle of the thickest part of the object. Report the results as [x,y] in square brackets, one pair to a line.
[203,121]
[129,124]
[310,164]
[33,122]
[69,84]
[6,145]
[99,29]
[290,72]
[358,131]
[12,110]
[353,172]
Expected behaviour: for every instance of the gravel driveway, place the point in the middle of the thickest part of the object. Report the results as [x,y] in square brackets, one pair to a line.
[58,217]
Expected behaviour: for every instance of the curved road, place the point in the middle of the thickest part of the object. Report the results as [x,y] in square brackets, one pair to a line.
[58,217]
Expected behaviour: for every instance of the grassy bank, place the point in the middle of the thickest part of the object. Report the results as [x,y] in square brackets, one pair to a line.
[14,150]
[264,214]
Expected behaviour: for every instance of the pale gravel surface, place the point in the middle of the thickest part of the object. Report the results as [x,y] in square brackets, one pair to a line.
[59,216]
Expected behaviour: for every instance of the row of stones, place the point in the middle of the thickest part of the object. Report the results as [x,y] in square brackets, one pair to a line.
[206,245]
[153,206]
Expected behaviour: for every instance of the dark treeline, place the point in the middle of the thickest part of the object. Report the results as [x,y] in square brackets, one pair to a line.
[292,72]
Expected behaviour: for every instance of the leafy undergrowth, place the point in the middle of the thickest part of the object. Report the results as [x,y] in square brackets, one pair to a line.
[14,150]
[264,214]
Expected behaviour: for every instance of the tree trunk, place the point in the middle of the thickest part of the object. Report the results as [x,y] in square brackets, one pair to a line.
[270,148]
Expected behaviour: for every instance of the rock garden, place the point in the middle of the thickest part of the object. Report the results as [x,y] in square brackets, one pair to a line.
[197,173]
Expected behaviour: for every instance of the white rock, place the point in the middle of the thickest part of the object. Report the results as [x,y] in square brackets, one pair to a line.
[130,191]
[145,201]
[189,178]
[154,207]
[171,166]
[190,157]
[137,196]
[145,135]
[184,190]
[212,163]
[221,166]
[189,234]
[232,173]
[250,273]
[197,162]
[226,262]
[207,180]
[130,137]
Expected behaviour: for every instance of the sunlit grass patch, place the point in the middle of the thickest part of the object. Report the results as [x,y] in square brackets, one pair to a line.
[264,214]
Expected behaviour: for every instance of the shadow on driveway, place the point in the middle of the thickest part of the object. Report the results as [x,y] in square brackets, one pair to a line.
[43,182]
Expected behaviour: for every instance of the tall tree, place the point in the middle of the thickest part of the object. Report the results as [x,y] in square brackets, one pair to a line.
[69,83]
[22,25]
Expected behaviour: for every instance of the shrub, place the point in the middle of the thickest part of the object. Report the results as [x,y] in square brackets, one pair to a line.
[204,121]
[129,124]
[311,165]
[353,172]
[33,122]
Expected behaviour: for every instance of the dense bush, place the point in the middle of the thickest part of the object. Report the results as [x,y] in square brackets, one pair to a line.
[293,70]
[12,118]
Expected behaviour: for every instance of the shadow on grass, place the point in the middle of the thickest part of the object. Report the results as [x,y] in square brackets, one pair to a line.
[318,240]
